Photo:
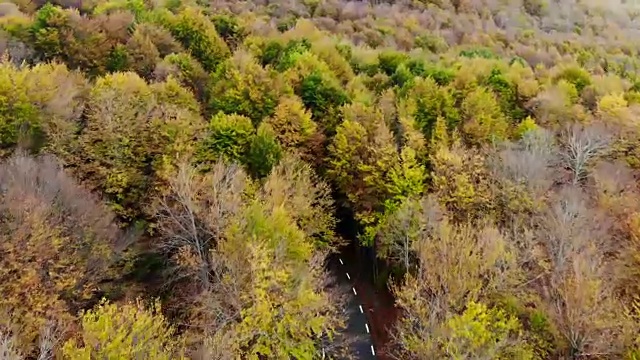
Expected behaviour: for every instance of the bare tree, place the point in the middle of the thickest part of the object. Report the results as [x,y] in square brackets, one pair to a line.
[579,286]
[293,185]
[192,220]
[582,144]
[49,339]
[403,228]
[530,161]
[195,212]
[8,350]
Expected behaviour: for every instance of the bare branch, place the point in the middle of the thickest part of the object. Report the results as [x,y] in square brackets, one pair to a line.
[196,211]
[582,145]
[8,349]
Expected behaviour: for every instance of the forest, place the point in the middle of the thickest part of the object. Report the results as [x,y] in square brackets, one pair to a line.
[175,175]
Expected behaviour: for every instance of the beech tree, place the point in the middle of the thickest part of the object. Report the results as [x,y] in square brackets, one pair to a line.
[294,185]
[124,332]
[460,180]
[242,259]
[484,121]
[42,109]
[362,152]
[241,86]
[293,124]
[457,268]
[197,34]
[133,136]
[57,244]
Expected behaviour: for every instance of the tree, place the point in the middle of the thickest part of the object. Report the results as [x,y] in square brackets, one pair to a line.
[524,172]
[484,121]
[361,154]
[264,152]
[427,101]
[457,267]
[241,86]
[195,214]
[185,69]
[460,180]
[57,244]
[8,348]
[293,124]
[128,331]
[293,184]
[254,270]
[142,54]
[321,92]
[229,137]
[582,145]
[402,229]
[92,44]
[197,34]
[287,309]
[481,332]
[42,107]
[580,295]
[133,136]
[193,220]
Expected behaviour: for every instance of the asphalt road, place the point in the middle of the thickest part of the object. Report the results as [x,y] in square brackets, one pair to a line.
[358,324]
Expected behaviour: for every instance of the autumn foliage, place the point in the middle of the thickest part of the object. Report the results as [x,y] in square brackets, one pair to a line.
[175,176]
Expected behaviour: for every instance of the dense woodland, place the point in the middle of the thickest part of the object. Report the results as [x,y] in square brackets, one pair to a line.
[172,174]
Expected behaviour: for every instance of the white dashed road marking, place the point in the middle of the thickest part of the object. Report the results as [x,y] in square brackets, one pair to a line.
[373,352]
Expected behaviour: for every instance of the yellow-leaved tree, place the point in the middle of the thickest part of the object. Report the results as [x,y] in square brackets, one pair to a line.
[128,331]
[57,243]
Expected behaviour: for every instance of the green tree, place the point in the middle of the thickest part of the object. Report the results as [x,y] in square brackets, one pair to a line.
[427,101]
[187,70]
[243,87]
[323,98]
[576,76]
[264,152]
[229,137]
[365,164]
[287,310]
[482,332]
[198,34]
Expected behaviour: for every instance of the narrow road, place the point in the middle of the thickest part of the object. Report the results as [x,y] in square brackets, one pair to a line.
[371,310]
[358,325]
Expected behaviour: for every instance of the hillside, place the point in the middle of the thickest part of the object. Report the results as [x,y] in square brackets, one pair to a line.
[178,179]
